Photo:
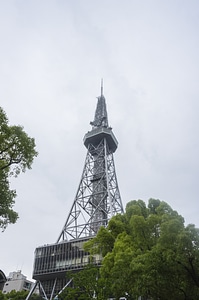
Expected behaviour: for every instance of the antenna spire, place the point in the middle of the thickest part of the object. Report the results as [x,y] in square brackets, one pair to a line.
[102,87]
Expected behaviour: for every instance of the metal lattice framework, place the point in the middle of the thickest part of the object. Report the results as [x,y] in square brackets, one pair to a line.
[97,198]
[96,201]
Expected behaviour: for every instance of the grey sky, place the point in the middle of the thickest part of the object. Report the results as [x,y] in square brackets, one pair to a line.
[53,55]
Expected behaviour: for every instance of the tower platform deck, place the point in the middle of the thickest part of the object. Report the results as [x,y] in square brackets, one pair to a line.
[96,135]
[61,257]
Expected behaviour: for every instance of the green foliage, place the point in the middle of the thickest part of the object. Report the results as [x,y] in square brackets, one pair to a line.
[20,295]
[17,152]
[2,296]
[86,284]
[102,245]
[150,252]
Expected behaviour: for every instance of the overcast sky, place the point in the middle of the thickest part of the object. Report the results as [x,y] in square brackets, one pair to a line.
[53,55]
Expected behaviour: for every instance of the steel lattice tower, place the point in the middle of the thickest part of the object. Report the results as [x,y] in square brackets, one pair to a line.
[98,197]
[96,201]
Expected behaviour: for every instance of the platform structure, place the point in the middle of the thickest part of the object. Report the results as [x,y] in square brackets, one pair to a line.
[97,200]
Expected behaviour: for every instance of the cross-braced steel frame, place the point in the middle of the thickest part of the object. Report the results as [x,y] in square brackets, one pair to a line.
[42,292]
[97,198]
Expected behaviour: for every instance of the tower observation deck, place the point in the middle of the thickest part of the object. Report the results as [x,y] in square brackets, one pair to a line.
[96,201]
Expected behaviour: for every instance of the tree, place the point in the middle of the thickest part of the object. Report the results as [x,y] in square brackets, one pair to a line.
[17,152]
[18,295]
[86,285]
[151,253]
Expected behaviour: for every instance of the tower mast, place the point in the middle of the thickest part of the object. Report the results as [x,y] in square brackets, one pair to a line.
[97,200]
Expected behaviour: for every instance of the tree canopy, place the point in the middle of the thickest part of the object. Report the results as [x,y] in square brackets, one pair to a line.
[149,252]
[86,284]
[17,152]
[18,295]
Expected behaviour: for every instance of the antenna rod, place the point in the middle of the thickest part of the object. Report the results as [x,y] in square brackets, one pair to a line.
[102,87]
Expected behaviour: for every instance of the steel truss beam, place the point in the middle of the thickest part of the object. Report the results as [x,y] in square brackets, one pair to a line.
[97,198]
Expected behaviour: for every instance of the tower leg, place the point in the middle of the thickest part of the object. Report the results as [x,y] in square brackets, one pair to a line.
[51,297]
[57,296]
[41,287]
[32,290]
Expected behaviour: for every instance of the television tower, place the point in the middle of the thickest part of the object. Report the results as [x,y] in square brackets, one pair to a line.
[97,200]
